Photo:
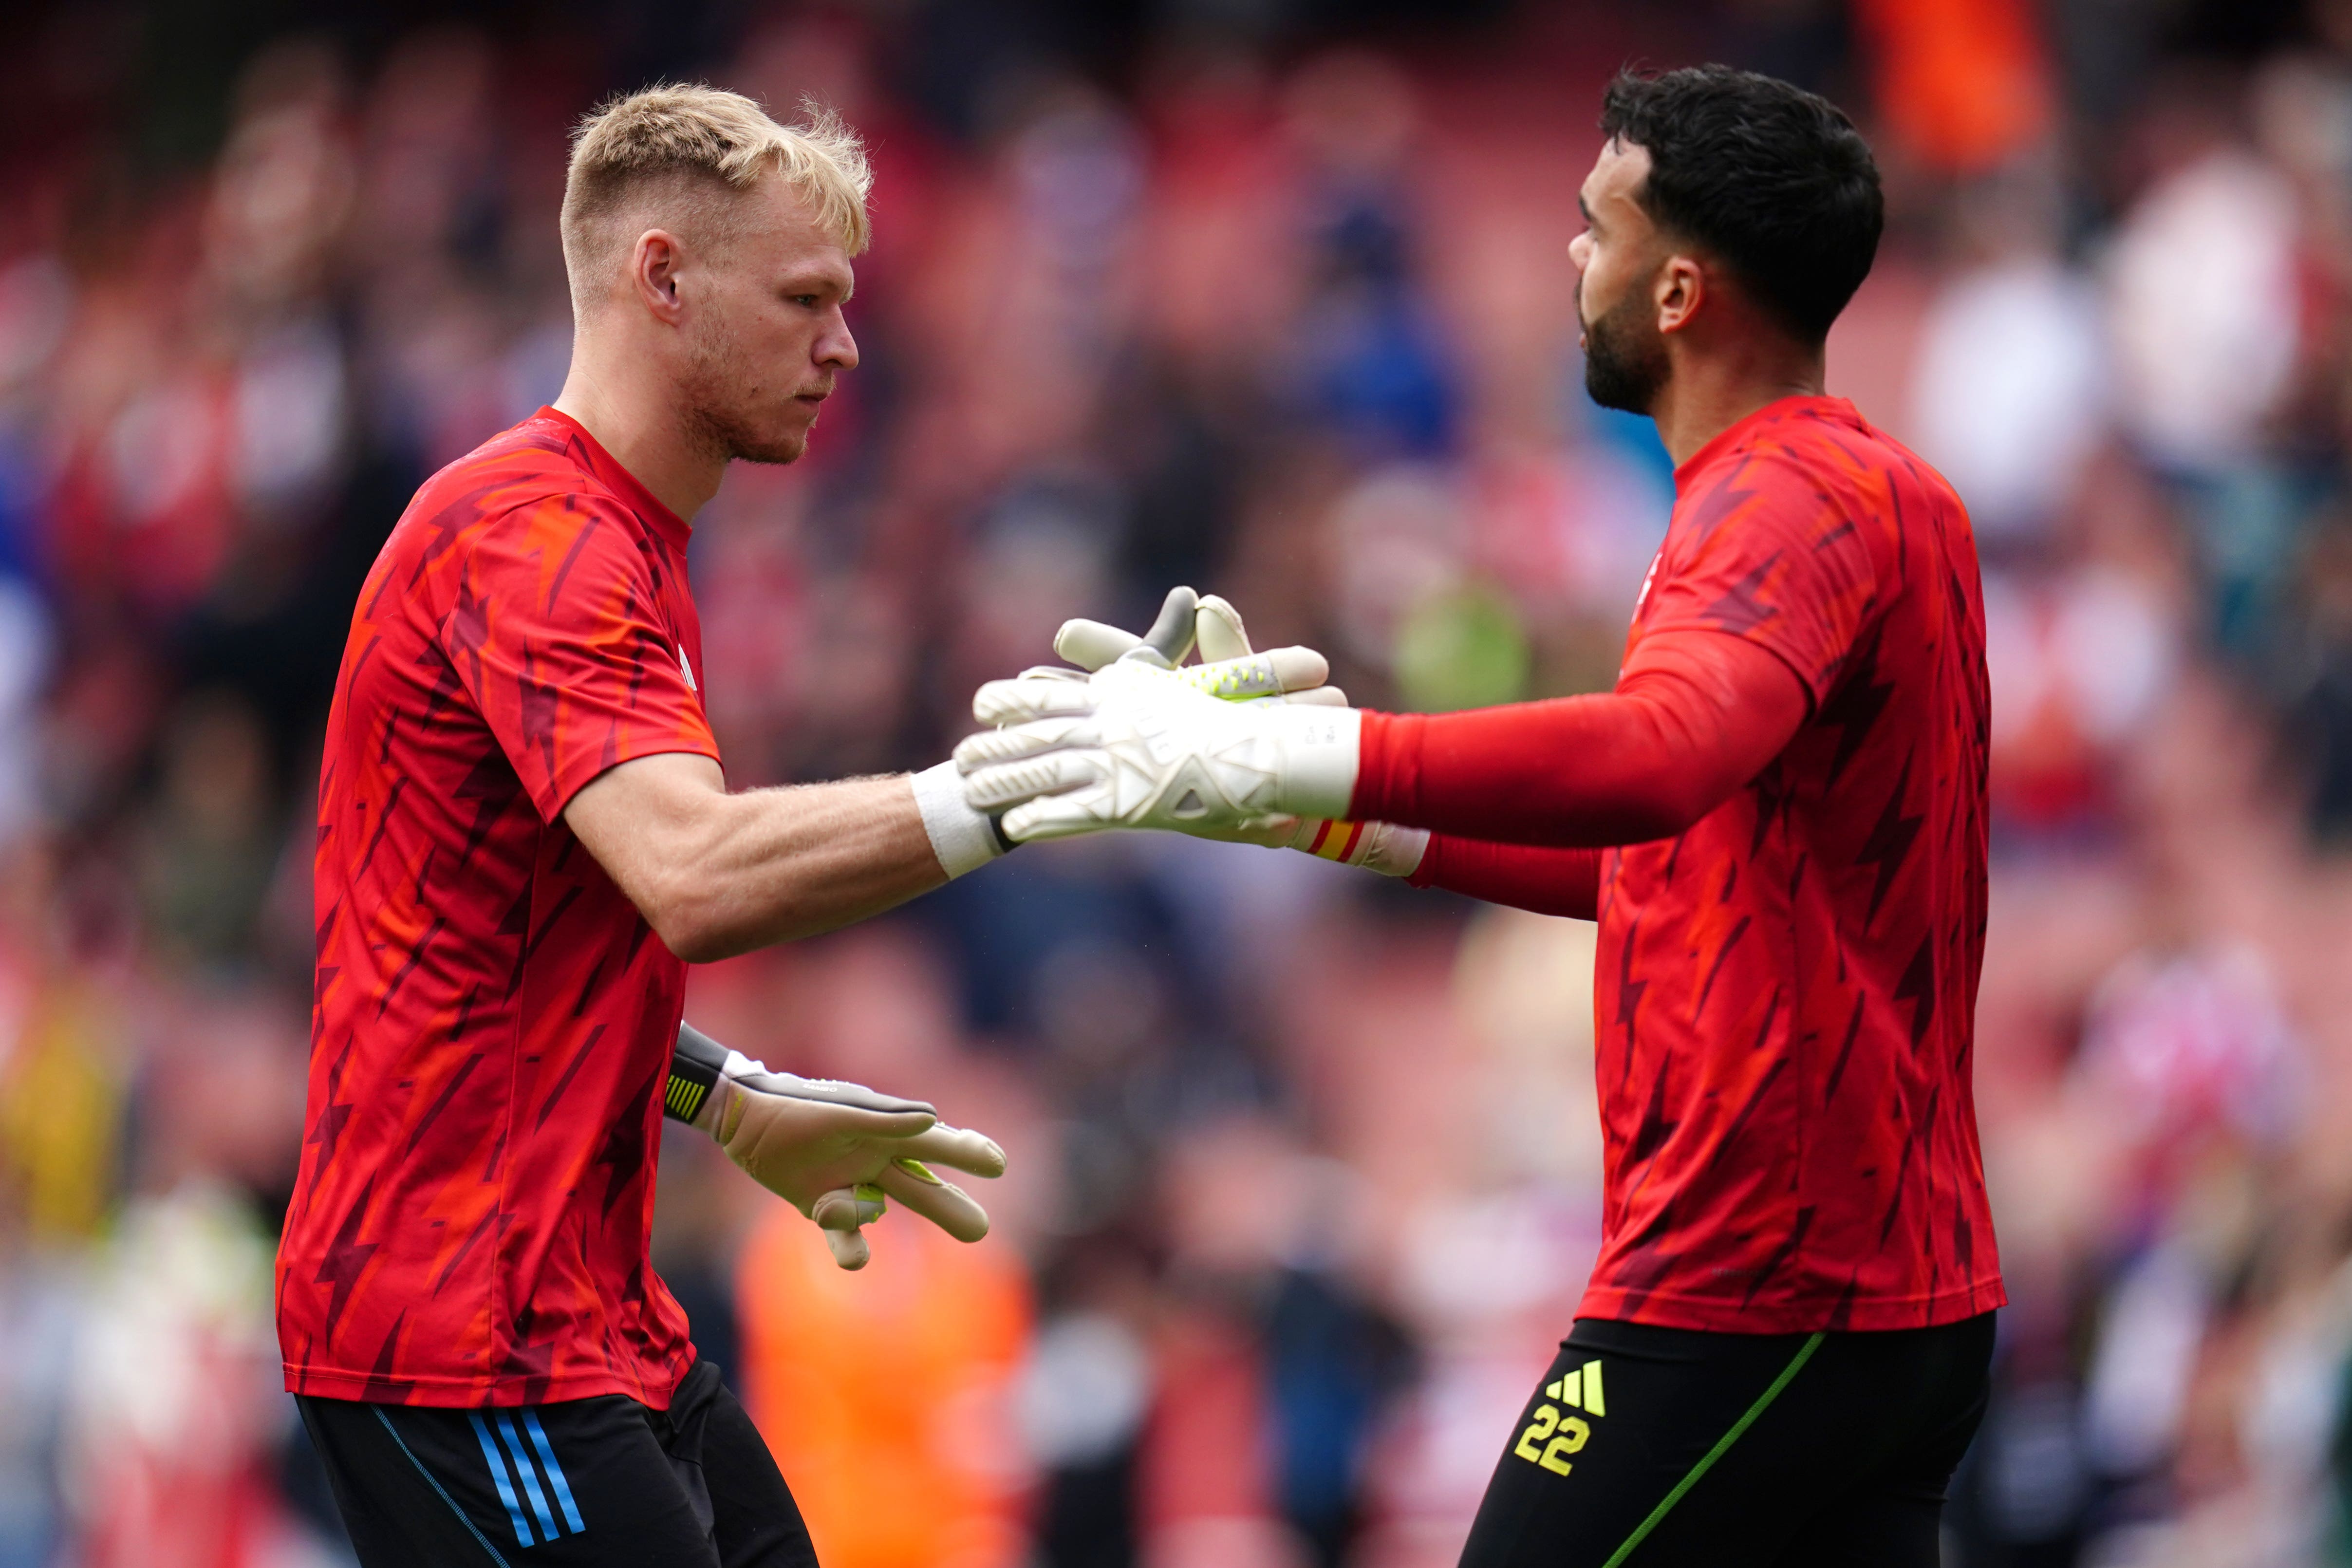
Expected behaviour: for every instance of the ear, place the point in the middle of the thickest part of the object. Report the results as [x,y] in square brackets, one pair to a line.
[1680,291]
[653,265]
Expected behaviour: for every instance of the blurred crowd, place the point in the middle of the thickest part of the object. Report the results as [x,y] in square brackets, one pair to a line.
[1272,299]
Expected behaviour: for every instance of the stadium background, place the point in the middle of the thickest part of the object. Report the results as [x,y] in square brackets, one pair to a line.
[1270,297]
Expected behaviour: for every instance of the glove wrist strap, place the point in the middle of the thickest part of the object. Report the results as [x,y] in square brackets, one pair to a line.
[1391,850]
[696,1063]
[1382,847]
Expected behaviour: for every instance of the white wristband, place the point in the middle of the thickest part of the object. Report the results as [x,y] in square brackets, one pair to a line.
[962,838]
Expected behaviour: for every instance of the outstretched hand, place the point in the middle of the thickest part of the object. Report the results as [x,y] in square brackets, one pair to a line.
[839,1152]
[1145,742]
[1073,755]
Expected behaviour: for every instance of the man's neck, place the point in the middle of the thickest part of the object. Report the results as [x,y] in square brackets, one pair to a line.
[633,421]
[1708,394]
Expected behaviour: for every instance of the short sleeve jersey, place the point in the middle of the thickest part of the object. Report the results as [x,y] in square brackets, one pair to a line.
[1785,993]
[492,1017]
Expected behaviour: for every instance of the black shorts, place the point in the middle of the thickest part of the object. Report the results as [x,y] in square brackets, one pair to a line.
[1649,1448]
[580,1481]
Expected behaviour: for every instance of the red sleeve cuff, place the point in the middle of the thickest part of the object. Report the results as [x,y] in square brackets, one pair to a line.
[1525,876]
[1388,767]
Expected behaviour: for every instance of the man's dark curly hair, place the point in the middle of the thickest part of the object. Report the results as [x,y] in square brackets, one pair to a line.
[1773,179]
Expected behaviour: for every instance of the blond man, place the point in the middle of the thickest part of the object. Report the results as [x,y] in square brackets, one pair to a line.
[524,836]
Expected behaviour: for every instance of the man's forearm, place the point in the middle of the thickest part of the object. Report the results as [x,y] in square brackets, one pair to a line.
[775,865]
[1571,771]
[718,874]
[1695,716]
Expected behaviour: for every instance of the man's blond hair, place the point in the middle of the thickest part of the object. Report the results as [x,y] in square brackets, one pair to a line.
[699,147]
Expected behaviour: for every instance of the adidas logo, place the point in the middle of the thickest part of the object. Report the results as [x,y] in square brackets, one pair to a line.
[1552,1436]
[1580,1389]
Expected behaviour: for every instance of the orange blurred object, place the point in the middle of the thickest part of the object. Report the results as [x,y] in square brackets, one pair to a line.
[885,1393]
[1964,84]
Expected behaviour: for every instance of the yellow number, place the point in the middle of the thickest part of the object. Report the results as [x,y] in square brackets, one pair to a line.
[1572,1434]
[1546,1420]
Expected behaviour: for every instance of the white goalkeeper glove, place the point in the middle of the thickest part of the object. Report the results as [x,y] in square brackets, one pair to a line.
[1136,746]
[837,1151]
[965,839]
[1233,672]
[1224,642]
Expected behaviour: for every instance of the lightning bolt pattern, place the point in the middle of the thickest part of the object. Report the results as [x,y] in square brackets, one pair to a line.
[1784,994]
[489,1024]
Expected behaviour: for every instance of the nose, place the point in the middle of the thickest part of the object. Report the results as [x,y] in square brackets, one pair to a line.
[1579,250]
[837,350]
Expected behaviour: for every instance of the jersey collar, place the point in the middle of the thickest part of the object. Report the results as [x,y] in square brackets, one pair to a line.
[607,467]
[1834,408]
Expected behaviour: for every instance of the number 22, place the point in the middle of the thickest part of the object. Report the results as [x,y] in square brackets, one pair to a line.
[1553,1455]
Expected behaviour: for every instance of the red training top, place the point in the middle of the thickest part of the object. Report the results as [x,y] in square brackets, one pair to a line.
[1786,982]
[493,1018]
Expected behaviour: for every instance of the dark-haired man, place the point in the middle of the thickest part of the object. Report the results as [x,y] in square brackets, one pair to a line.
[1778,817]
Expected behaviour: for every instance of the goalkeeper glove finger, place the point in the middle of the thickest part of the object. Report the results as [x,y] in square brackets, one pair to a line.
[1229,668]
[1217,630]
[1222,639]
[919,1189]
[910,1178]
[842,1215]
[1288,674]
[1090,645]
[958,1147]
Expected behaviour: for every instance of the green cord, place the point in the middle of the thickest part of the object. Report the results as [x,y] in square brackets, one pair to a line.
[1707,1463]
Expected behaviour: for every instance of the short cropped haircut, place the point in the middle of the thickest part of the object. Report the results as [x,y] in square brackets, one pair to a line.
[702,146]
[1771,179]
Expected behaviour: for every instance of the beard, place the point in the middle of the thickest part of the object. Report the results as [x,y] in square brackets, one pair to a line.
[721,410]
[1625,365]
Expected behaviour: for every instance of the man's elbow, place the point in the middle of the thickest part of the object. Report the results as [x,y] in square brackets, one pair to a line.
[696,942]
[691,920]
